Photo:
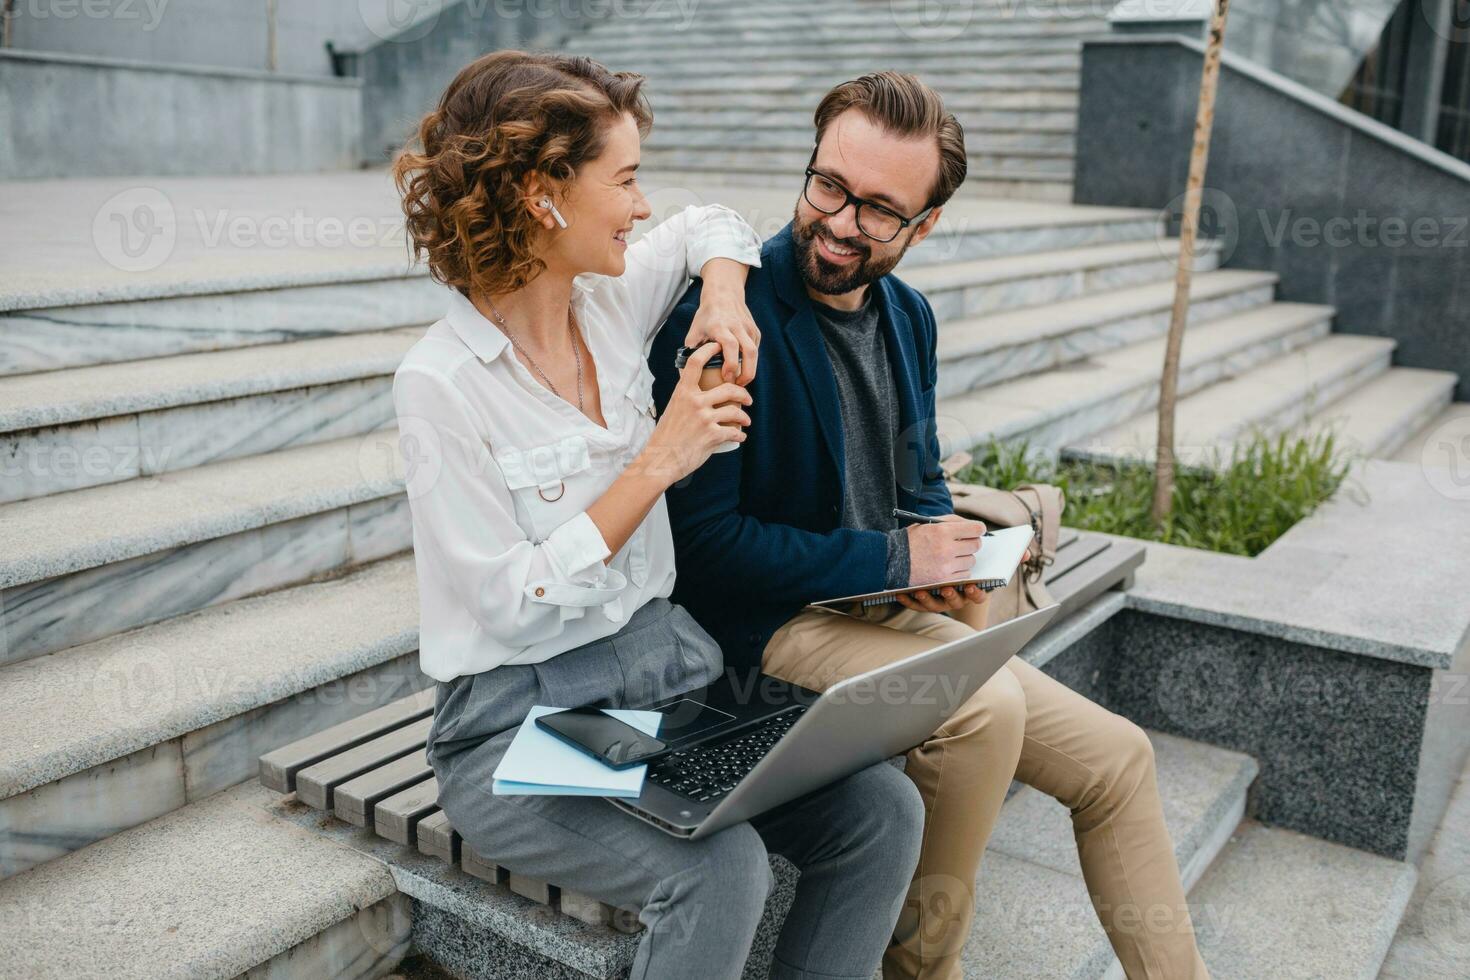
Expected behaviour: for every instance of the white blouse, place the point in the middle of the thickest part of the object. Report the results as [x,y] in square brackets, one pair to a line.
[500,472]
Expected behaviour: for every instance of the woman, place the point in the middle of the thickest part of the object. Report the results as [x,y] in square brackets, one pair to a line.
[542,542]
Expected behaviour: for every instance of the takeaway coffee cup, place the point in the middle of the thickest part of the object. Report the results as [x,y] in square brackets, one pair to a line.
[709,378]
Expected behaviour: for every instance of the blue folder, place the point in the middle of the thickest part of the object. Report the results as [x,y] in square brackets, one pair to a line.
[539,764]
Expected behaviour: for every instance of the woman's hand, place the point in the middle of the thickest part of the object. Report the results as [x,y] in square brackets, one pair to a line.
[695,422]
[724,318]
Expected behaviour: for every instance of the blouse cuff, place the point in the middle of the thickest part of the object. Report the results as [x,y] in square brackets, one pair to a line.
[722,233]
[576,551]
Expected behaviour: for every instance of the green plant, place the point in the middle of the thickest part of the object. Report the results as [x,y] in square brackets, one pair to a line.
[1240,506]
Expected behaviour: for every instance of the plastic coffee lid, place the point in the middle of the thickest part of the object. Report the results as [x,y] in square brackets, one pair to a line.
[681,357]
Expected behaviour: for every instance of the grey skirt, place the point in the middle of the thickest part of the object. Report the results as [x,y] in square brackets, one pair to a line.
[660,651]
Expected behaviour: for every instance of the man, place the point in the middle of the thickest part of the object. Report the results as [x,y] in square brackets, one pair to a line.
[843,431]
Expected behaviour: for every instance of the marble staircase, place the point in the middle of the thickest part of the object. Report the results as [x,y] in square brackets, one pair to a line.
[733,88]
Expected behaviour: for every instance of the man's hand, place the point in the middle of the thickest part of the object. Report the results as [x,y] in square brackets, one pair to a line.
[948,552]
[949,599]
[937,553]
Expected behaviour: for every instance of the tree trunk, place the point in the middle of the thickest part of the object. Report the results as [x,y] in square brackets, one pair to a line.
[1188,233]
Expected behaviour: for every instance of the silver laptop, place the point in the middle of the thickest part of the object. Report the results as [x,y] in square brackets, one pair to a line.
[804,741]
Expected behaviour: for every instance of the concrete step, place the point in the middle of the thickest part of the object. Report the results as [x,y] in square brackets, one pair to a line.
[1280,904]
[675,151]
[119,731]
[856,47]
[1016,342]
[903,26]
[978,144]
[1071,402]
[1033,916]
[1275,396]
[218,888]
[79,427]
[971,227]
[814,82]
[1379,417]
[803,101]
[1433,940]
[197,302]
[86,564]
[736,60]
[51,337]
[1436,443]
[1011,180]
[957,290]
[974,121]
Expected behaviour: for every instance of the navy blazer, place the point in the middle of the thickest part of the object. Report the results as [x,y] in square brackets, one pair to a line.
[758,531]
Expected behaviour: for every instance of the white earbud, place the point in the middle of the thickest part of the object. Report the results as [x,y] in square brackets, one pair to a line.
[546,203]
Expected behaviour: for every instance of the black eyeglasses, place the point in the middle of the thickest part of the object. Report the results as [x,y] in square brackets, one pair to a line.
[827,195]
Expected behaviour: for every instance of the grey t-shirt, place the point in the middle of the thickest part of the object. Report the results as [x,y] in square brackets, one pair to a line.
[859,356]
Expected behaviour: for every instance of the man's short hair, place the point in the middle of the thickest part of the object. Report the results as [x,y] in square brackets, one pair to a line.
[906,107]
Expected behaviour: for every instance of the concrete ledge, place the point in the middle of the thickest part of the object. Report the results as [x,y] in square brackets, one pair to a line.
[1338,112]
[217,71]
[487,932]
[1379,571]
[1061,635]
[62,119]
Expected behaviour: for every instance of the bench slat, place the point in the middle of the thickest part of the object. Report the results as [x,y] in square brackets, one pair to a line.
[315,783]
[397,817]
[438,839]
[354,800]
[1108,569]
[533,888]
[473,864]
[279,767]
[586,908]
[1066,536]
[1079,553]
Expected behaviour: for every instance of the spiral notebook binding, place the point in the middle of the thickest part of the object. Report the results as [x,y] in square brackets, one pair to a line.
[988,585]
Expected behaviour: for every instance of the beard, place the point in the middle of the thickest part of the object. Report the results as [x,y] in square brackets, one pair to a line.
[834,280]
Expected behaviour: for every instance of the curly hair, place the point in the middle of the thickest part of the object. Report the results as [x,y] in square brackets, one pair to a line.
[503,116]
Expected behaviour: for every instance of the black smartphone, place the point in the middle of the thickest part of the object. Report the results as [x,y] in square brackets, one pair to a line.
[614,743]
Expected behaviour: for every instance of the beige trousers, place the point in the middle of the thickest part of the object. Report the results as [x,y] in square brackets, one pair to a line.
[1022,723]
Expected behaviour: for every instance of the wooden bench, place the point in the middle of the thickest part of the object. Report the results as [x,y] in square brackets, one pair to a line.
[372,772]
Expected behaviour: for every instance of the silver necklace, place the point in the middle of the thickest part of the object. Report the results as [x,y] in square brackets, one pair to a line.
[576,351]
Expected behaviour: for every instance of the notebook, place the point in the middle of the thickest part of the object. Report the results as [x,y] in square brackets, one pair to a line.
[539,764]
[997,560]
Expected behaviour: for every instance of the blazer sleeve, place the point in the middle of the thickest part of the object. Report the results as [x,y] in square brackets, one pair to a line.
[721,548]
[934,498]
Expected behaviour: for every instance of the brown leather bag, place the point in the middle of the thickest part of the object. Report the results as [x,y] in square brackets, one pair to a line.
[1037,504]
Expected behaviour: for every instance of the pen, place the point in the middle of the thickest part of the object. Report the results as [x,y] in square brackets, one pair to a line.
[912,518]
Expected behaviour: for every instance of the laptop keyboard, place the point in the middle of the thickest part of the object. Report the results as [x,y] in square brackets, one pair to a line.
[704,773]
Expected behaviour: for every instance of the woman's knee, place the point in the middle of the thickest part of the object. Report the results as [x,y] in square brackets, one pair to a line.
[886,811]
[734,865]
[896,814]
